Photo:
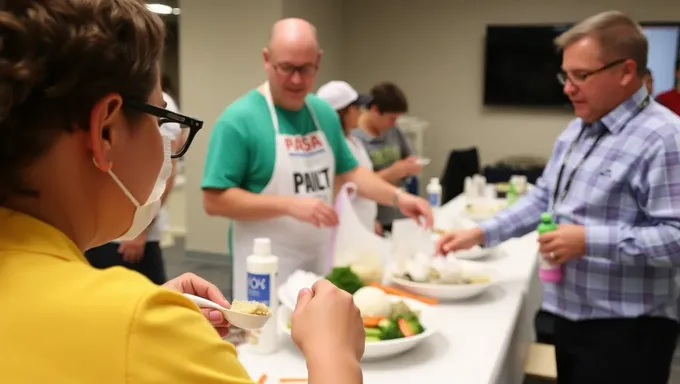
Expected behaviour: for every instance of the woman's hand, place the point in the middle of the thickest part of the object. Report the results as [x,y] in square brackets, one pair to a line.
[192,284]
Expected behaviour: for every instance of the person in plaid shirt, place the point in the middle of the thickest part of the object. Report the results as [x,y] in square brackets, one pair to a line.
[613,185]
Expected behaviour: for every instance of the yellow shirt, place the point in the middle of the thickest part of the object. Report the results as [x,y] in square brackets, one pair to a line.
[65,322]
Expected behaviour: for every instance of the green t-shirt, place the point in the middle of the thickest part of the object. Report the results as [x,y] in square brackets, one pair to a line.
[242,147]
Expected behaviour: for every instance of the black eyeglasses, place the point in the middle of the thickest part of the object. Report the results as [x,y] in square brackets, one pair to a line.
[168,117]
[289,69]
[580,77]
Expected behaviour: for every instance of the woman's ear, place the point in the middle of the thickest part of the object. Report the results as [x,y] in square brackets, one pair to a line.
[103,118]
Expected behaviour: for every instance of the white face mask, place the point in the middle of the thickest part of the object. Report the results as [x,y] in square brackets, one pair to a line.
[145,213]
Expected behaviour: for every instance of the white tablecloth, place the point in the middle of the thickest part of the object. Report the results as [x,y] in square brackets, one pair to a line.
[481,341]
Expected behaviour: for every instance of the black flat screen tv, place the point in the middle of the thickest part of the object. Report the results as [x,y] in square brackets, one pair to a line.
[521,62]
[521,66]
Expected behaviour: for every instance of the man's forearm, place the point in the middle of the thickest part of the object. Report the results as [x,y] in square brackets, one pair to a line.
[657,245]
[516,220]
[388,175]
[371,186]
[239,204]
[334,369]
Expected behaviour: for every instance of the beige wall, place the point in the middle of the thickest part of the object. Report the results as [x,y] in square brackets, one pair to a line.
[432,48]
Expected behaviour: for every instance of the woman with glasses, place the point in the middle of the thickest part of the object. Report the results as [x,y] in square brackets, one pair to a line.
[83,162]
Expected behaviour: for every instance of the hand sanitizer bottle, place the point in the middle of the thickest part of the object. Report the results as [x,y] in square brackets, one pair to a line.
[434,192]
[262,268]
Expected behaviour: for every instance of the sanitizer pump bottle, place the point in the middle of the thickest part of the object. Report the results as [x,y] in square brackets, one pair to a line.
[262,268]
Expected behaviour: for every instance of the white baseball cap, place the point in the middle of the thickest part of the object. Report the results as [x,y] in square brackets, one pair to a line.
[340,95]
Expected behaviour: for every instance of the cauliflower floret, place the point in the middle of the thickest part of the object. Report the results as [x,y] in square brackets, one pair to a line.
[372,302]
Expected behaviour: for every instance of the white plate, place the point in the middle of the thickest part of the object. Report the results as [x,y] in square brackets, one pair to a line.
[449,291]
[473,253]
[387,348]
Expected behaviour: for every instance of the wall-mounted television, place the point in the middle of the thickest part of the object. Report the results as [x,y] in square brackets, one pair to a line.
[521,63]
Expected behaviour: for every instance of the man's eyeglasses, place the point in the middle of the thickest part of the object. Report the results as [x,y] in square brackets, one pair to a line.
[581,76]
[289,69]
[169,117]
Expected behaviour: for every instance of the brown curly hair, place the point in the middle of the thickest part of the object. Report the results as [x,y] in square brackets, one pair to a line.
[57,59]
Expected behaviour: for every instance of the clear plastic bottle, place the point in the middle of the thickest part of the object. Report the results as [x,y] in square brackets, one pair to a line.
[262,268]
[434,192]
[547,272]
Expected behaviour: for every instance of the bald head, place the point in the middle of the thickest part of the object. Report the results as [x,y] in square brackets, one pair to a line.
[291,60]
[295,33]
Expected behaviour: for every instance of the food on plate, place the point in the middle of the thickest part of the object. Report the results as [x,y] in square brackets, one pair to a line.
[372,302]
[401,293]
[484,209]
[368,272]
[345,279]
[439,271]
[250,308]
[401,322]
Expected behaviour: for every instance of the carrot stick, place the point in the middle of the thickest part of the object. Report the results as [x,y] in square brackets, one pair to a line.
[262,379]
[398,292]
[372,322]
[404,328]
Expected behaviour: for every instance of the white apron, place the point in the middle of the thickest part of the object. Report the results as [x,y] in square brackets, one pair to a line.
[366,209]
[304,167]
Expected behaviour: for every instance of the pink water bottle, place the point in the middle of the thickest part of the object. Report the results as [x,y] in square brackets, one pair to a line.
[547,272]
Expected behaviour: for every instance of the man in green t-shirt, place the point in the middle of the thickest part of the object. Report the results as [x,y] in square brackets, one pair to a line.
[274,157]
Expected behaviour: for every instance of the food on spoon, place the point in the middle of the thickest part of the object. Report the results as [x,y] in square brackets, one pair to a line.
[345,279]
[250,308]
[372,302]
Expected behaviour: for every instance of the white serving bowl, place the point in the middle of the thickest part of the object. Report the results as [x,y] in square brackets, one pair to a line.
[377,350]
[450,291]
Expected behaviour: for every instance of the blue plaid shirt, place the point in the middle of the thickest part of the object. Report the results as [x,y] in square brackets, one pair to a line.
[627,195]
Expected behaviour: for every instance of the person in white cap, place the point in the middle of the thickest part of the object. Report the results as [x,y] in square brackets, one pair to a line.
[347,103]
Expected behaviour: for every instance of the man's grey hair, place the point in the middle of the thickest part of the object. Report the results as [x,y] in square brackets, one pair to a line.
[619,36]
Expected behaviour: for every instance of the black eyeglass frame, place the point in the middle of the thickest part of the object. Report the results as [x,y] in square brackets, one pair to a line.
[563,77]
[165,116]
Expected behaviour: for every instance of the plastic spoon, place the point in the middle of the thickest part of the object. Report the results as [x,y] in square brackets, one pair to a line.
[237,319]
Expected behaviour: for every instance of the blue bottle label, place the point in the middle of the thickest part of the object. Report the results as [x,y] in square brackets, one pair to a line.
[434,199]
[259,288]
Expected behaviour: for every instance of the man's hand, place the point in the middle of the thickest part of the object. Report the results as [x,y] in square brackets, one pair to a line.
[459,240]
[406,167]
[378,228]
[133,250]
[566,243]
[313,211]
[415,208]
[192,284]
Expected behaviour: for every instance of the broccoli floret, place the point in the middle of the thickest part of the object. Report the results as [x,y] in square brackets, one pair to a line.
[391,331]
[345,279]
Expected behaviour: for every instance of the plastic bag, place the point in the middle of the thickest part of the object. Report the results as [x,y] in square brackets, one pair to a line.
[353,245]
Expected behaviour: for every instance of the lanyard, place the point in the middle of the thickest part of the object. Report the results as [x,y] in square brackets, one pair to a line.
[556,194]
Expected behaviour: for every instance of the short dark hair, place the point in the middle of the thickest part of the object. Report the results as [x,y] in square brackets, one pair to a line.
[59,58]
[677,64]
[648,71]
[389,98]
